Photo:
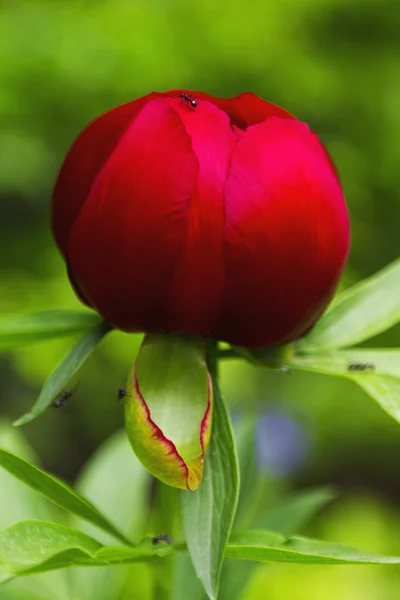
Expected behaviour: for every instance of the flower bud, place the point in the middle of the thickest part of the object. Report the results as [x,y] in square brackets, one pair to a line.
[168,408]
[228,215]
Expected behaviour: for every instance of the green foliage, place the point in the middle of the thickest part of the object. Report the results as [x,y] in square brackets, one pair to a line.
[65,371]
[265,546]
[287,518]
[244,430]
[17,331]
[209,512]
[40,546]
[363,311]
[36,547]
[30,547]
[56,491]
[115,481]
[382,382]
[359,313]
[295,511]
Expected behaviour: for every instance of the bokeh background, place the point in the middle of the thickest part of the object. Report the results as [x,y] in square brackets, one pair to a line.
[333,63]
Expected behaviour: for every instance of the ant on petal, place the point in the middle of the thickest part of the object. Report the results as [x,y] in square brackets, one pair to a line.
[188,99]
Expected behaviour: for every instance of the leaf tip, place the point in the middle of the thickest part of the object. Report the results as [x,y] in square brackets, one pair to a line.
[26,418]
[211,594]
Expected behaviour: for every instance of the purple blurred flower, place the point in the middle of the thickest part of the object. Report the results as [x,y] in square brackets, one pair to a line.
[282,443]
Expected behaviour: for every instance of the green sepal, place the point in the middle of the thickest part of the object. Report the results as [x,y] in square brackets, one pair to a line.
[273,357]
[168,408]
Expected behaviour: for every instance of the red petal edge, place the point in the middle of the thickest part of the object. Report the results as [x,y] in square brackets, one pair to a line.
[205,423]
[158,434]
[83,162]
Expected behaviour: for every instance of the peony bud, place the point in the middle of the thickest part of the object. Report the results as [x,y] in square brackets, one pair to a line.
[221,218]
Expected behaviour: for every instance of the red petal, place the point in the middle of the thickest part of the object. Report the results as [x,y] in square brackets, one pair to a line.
[127,239]
[243,110]
[254,109]
[286,234]
[84,161]
[198,283]
[223,104]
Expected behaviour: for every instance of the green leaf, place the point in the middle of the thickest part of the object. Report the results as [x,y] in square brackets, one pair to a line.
[209,512]
[119,555]
[386,361]
[385,390]
[266,546]
[359,313]
[17,331]
[27,546]
[166,519]
[64,372]
[117,483]
[382,383]
[184,579]
[294,512]
[245,435]
[56,491]
[37,546]
[18,502]
[287,517]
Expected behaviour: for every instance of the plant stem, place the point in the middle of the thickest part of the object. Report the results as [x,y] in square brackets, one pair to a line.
[227,353]
[212,359]
[165,515]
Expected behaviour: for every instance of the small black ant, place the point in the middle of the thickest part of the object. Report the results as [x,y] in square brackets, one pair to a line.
[63,399]
[360,367]
[189,99]
[162,538]
[121,394]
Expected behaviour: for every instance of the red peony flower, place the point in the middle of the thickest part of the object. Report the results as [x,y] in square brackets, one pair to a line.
[218,217]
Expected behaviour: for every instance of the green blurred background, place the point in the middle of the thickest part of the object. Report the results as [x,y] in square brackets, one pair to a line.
[333,63]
